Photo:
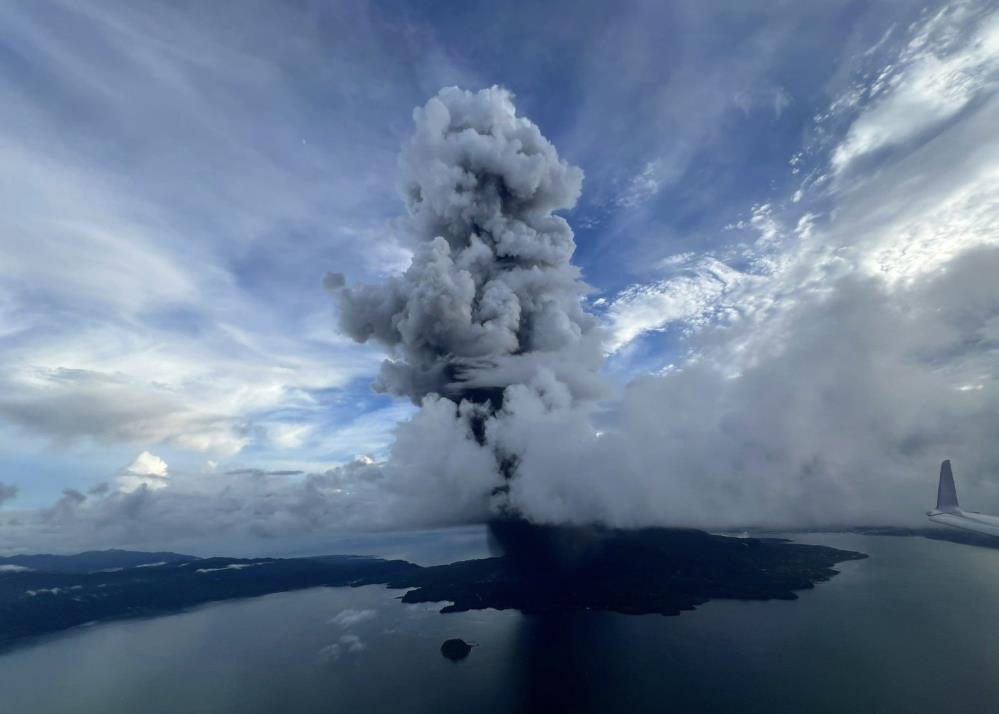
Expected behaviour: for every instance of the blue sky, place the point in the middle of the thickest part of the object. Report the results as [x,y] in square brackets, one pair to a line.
[176,178]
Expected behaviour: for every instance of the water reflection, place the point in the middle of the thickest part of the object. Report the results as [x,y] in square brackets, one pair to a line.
[562,663]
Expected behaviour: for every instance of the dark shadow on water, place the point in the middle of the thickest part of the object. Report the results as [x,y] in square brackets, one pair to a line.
[562,663]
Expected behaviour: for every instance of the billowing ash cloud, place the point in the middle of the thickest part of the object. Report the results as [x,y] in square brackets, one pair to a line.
[491,298]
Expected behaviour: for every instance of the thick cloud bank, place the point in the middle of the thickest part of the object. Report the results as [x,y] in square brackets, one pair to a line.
[836,411]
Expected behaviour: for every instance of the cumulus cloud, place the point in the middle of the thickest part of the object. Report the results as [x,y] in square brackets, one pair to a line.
[239,507]
[147,471]
[147,464]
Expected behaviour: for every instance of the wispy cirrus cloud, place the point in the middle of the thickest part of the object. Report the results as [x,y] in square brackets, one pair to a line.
[901,218]
[161,173]
[950,60]
[694,296]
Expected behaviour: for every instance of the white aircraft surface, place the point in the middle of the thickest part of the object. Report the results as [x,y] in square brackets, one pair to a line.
[949,513]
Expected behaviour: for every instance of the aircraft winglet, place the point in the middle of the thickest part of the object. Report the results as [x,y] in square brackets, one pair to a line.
[949,513]
[946,492]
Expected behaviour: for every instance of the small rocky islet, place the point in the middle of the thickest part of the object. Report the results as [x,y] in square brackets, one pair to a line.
[456,649]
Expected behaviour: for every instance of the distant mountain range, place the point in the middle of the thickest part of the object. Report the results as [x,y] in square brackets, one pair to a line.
[92,560]
[547,569]
[44,594]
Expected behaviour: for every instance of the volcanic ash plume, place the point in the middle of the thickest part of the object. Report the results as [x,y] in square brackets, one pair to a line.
[491,298]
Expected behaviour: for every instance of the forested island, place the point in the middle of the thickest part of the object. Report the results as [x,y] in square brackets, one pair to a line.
[544,569]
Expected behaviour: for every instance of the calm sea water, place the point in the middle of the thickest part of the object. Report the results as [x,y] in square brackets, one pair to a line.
[915,628]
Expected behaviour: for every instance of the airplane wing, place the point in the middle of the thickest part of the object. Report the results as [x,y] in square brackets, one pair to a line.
[949,513]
